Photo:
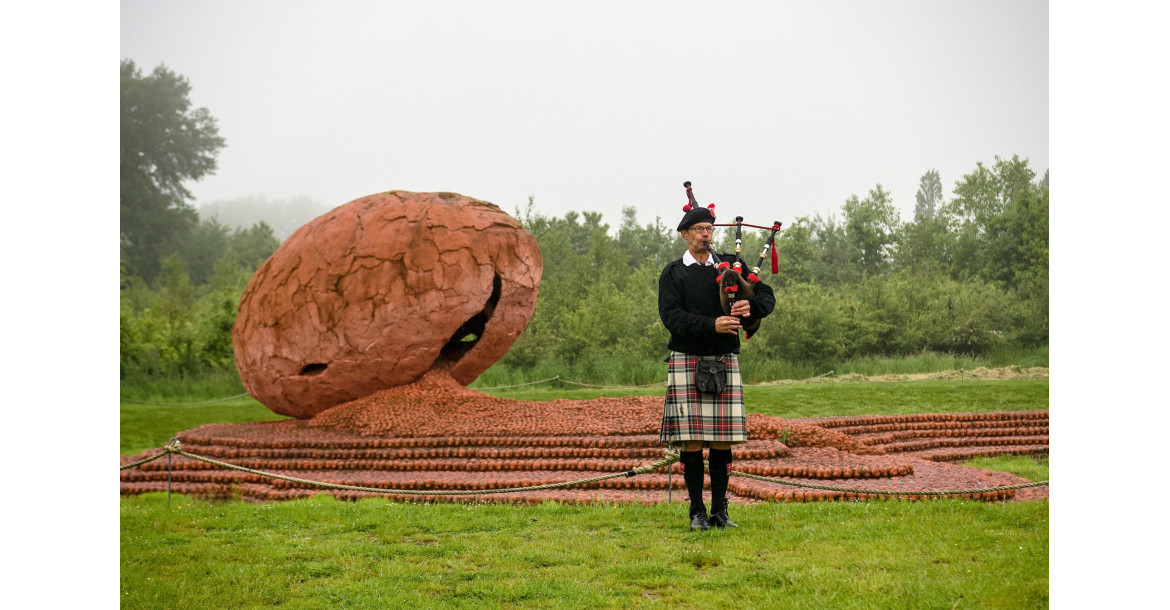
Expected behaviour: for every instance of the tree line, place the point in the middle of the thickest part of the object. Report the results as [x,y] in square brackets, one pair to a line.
[967,275]
[181,276]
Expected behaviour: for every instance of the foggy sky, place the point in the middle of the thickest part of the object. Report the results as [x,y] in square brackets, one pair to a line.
[773,110]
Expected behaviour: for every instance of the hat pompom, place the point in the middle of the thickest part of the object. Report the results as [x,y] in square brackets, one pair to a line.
[686,208]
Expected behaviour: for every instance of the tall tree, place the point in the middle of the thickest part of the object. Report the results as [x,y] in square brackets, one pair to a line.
[201,247]
[796,253]
[928,197]
[210,241]
[651,244]
[837,256]
[253,245]
[164,143]
[921,246]
[1017,239]
[871,226]
[976,216]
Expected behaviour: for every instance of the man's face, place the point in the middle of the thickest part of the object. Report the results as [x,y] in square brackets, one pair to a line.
[698,237]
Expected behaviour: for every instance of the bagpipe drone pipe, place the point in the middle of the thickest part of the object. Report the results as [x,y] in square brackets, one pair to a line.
[733,284]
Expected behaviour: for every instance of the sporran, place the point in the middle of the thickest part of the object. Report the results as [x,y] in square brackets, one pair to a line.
[710,376]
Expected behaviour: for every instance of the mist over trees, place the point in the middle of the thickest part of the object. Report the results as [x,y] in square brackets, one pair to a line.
[164,143]
[283,215]
[181,278]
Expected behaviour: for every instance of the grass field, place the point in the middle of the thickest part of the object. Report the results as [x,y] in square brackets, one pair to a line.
[324,553]
[327,553]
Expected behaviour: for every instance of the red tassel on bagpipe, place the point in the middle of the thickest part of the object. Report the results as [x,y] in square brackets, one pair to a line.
[775,258]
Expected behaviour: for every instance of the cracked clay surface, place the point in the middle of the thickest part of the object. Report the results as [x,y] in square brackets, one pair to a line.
[379,291]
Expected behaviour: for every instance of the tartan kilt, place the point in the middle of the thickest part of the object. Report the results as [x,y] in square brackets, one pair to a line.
[688,415]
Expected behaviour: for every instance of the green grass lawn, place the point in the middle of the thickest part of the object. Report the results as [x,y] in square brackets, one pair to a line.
[372,553]
[841,398]
[151,426]
[897,398]
[324,553]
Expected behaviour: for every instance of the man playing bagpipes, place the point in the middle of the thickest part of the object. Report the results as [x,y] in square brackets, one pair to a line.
[704,308]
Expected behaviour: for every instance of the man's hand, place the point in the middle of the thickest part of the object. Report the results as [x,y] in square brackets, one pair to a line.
[727,324]
[741,308]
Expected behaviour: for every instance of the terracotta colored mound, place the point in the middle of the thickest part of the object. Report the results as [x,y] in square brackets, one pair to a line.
[946,437]
[437,435]
[377,292]
[439,405]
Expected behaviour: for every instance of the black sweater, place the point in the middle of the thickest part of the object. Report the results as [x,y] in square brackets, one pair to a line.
[688,303]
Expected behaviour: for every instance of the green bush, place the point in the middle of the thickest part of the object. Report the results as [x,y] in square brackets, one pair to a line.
[807,325]
[167,332]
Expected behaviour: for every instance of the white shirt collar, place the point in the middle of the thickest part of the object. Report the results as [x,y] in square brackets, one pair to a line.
[689,259]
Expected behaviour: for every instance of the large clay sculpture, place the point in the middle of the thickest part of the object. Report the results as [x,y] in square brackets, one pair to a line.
[379,291]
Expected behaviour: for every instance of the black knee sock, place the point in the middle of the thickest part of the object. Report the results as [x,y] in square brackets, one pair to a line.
[692,462]
[720,466]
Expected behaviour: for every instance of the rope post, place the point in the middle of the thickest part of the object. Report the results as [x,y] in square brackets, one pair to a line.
[172,445]
[672,455]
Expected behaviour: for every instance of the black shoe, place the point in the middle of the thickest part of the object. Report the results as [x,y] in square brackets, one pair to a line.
[699,522]
[721,520]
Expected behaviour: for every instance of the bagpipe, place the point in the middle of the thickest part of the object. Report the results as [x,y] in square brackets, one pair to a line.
[733,283]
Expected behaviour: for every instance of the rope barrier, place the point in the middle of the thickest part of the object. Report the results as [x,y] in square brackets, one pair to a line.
[562,380]
[179,404]
[613,386]
[671,457]
[889,492]
[558,378]
[141,462]
[519,385]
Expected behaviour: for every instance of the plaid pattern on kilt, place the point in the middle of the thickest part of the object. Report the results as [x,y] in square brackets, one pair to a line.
[690,416]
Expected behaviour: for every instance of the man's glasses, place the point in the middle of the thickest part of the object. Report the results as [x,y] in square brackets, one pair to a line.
[701,230]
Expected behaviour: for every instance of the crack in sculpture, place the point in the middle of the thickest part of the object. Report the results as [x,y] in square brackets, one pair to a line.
[314,368]
[470,332]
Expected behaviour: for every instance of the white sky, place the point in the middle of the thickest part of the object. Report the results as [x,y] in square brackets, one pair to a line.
[773,110]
